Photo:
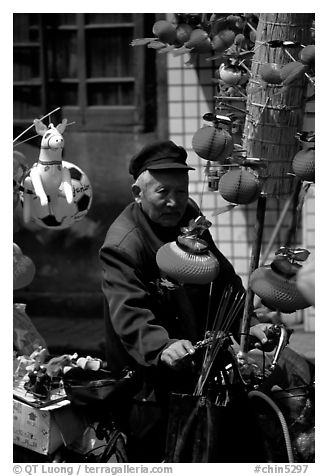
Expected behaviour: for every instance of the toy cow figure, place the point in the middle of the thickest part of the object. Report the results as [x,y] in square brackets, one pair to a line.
[48,174]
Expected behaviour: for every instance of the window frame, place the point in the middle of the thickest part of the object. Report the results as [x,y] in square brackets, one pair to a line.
[91,118]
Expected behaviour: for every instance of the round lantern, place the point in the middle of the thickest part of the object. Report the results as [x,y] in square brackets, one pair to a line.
[165,31]
[230,74]
[23,269]
[277,291]
[183,33]
[191,264]
[307,55]
[199,41]
[239,186]
[292,71]
[223,40]
[69,212]
[304,164]
[212,143]
[270,73]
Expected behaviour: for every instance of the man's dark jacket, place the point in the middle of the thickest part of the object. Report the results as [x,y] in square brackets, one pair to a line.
[142,315]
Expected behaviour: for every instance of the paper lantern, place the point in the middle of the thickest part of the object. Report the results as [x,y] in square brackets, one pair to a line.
[23,269]
[239,186]
[304,162]
[230,74]
[307,55]
[183,33]
[165,31]
[199,41]
[270,73]
[292,71]
[178,262]
[69,213]
[223,40]
[212,143]
[277,291]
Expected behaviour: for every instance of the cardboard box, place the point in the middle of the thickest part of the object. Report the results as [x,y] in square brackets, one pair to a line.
[45,430]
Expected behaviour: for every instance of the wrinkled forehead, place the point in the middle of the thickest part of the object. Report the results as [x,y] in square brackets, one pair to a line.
[169,178]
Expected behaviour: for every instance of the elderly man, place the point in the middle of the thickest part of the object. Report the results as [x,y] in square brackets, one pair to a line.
[149,327]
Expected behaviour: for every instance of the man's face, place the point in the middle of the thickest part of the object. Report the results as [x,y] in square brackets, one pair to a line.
[165,195]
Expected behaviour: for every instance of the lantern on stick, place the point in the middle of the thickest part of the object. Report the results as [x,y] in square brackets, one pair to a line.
[188,259]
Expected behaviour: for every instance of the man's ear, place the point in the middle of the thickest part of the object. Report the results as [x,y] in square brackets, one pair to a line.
[136,190]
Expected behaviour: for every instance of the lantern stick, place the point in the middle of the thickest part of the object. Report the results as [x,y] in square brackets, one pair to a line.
[26,140]
[254,262]
[32,125]
[209,304]
[37,135]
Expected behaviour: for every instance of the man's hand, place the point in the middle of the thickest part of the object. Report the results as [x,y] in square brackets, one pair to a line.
[173,354]
[259,331]
[264,314]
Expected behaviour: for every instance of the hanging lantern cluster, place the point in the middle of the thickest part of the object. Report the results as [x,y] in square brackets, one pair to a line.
[188,259]
[208,34]
[304,161]
[276,284]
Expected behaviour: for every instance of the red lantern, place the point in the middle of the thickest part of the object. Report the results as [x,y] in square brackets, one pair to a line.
[277,291]
[307,55]
[183,33]
[230,74]
[239,186]
[165,31]
[270,73]
[199,41]
[292,71]
[304,163]
[23,269]
[212,143]
[223,40]
[188,260]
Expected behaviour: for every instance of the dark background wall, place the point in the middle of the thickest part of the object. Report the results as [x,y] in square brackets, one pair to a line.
[101,141]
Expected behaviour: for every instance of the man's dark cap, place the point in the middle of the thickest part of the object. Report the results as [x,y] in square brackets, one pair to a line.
[159,155]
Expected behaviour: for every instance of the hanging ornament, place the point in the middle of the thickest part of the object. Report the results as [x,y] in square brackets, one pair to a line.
[212,143]
[307,55]
[304,161]
[48,174]
[188,260]
[165,31]
[270,73]
[276,284]
[23,268]
[183,33]
[199,41]
[292,71]
[66,213]
[230,74]
[223,40]
[239,186]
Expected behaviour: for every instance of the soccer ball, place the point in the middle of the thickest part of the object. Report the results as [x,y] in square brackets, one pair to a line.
[69,213]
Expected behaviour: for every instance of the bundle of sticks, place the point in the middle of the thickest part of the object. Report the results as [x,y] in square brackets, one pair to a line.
[228,309]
